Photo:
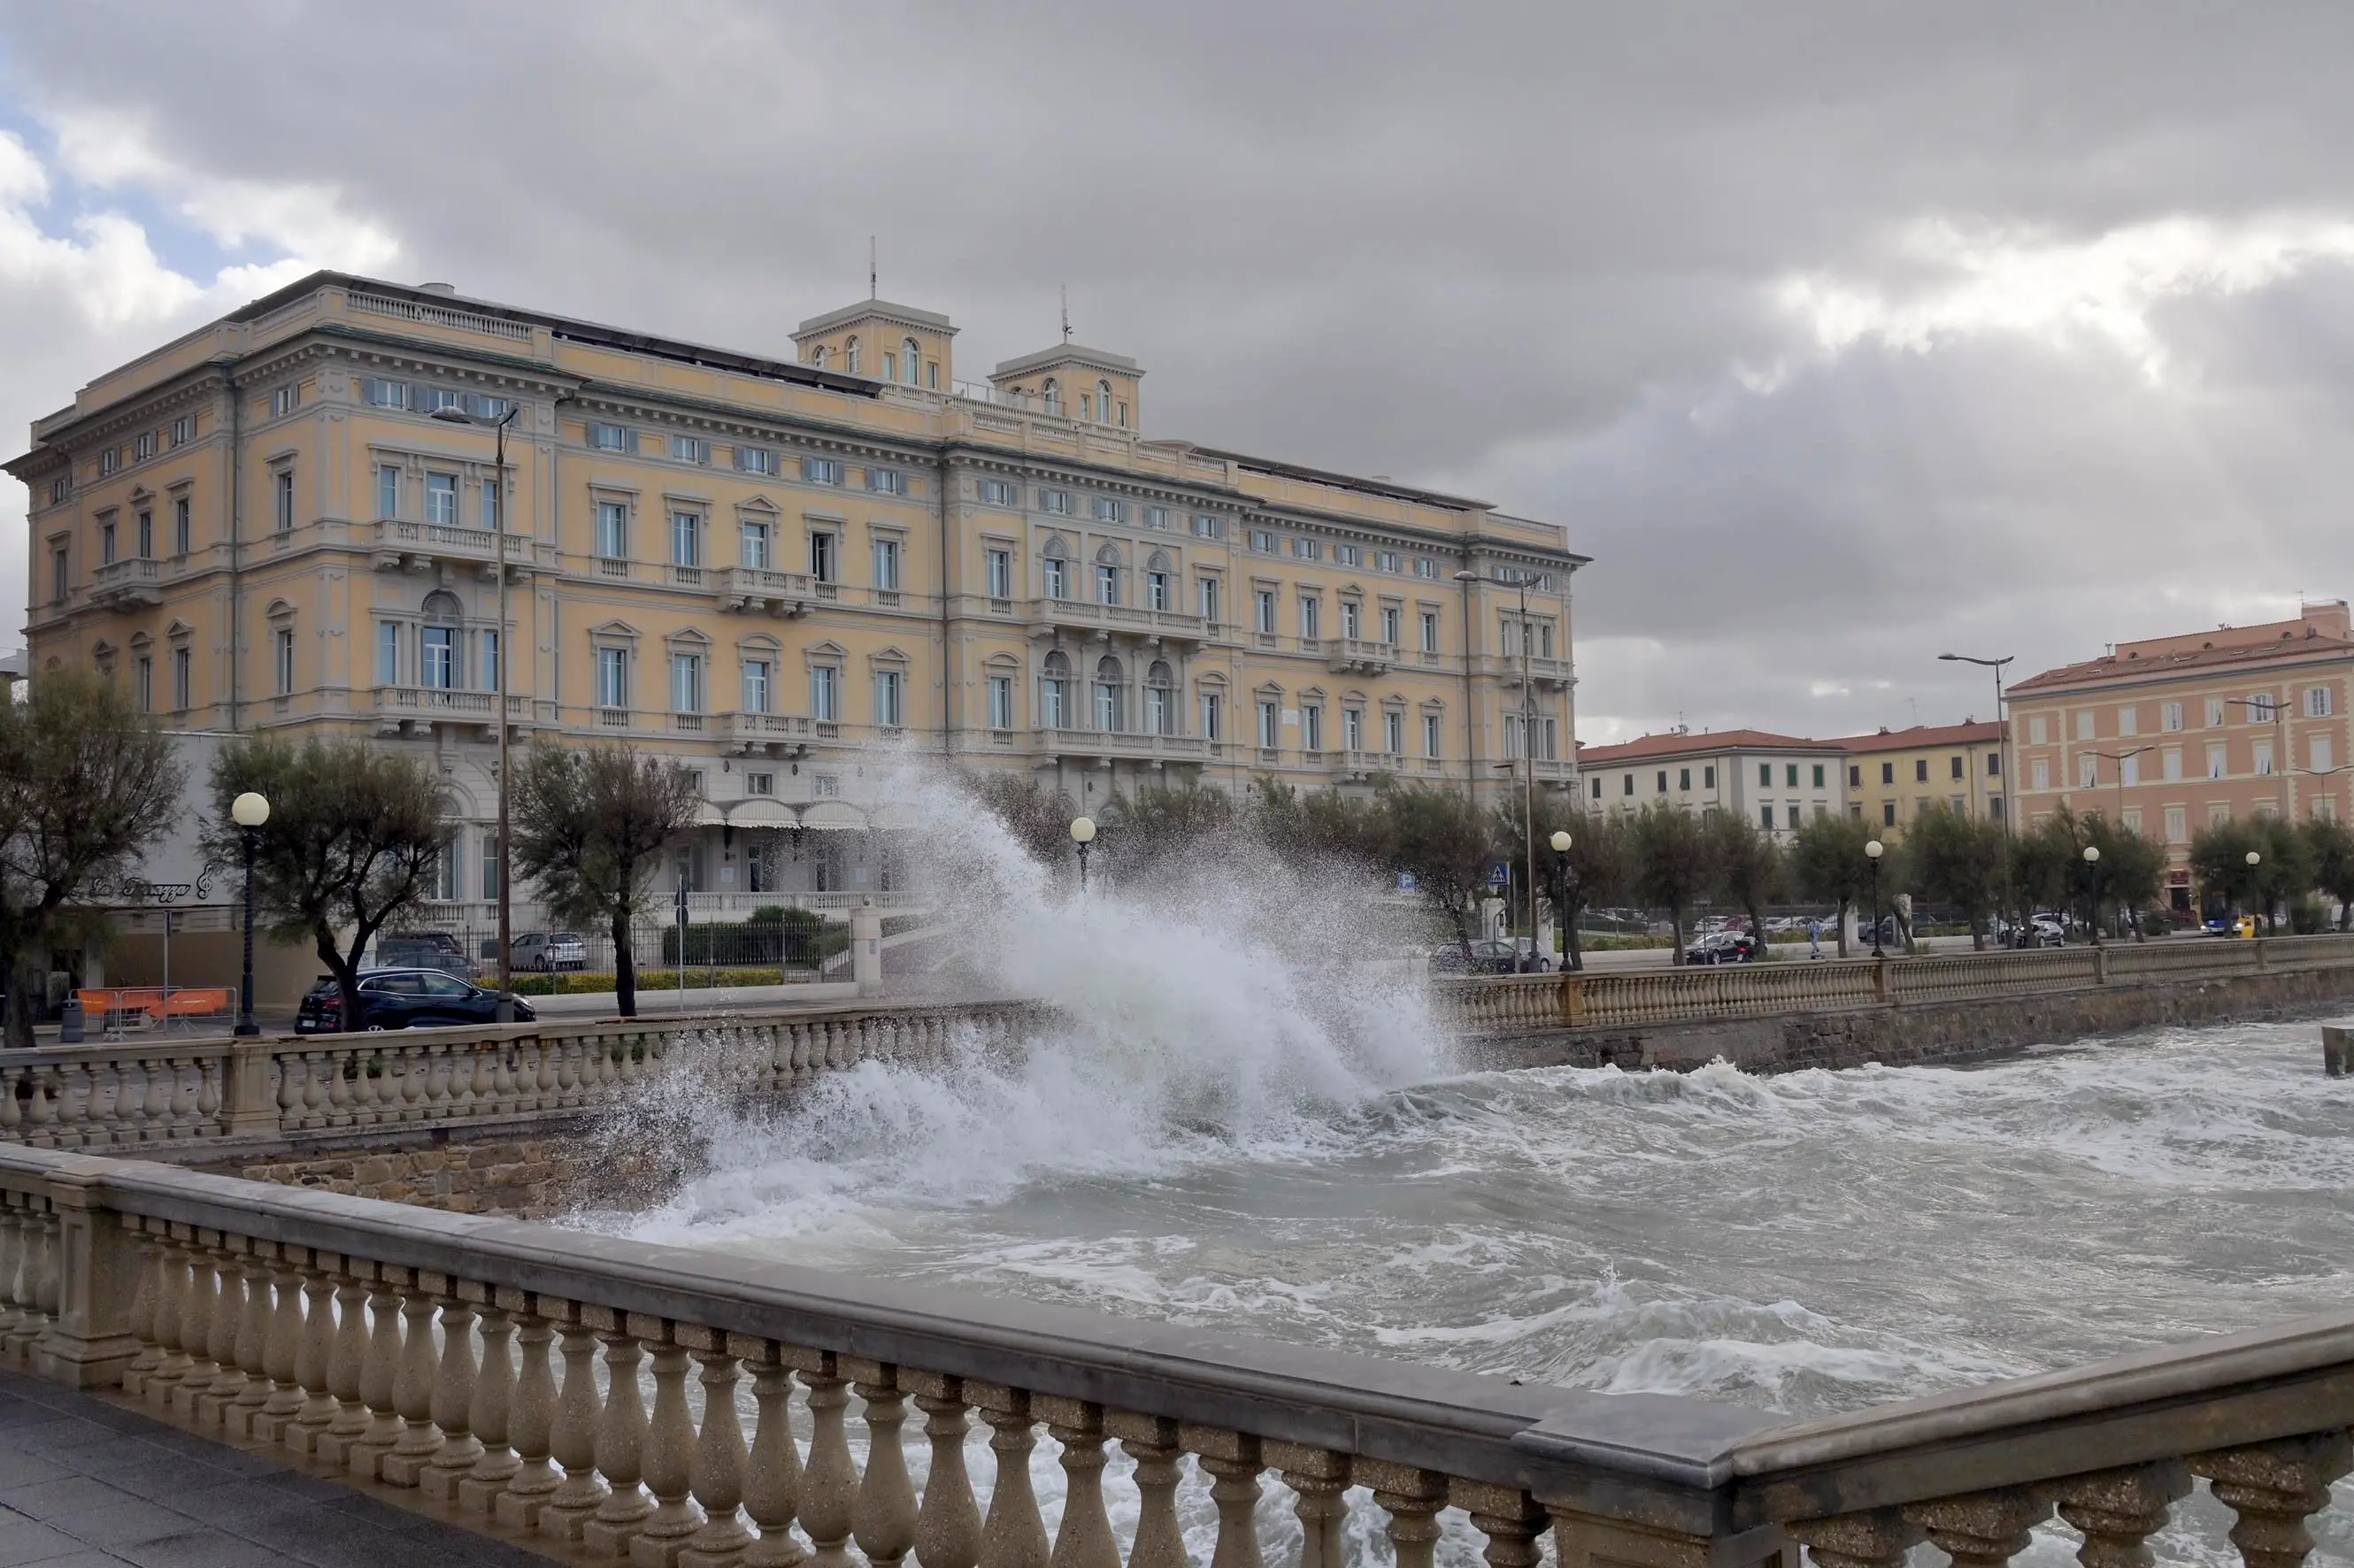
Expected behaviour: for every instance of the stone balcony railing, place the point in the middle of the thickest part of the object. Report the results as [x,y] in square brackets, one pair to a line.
[405,545]
[1359,656]
[534,1380]
[126,584]
[1191,748]
[1606,998]
[773,593]
[1545,674]
[1047,614]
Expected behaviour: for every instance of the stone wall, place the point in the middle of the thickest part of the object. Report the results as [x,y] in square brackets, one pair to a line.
[525,1178]
[1920,1033]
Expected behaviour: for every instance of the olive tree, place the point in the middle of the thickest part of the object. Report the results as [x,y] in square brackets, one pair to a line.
[1600,863]
[1828,864]
[1750,868]
[354,836]
[1960,862]
[87,783]
[589,827]
[1674,863]
[2329,847]
[1443,841]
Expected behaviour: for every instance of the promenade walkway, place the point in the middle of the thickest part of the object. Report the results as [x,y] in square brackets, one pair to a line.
[85,1482]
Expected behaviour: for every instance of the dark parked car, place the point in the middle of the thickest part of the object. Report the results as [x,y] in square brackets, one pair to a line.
[403,999]
[1492,957]
[1722,947]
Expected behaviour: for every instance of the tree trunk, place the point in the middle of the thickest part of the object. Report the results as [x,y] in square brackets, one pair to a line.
[1844,907]
[1757,929]
[1977,932]
[346,972]
[27,981]
[1574,957]
[1676,926]
[625,968]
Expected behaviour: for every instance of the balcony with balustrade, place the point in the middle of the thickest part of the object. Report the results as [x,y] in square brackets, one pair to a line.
[1112,745]
[405,545]
[1364,765]
[1359,656]
[1545,674]
[418,710]
[754,590]
[127,585]
[1047,615]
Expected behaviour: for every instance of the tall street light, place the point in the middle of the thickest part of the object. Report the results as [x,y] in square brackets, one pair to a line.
[2255,860]
[1873,851]
[2092,867]
[248,811]
[2278,714]
[1564,875]
[2002,746]
[1528,754]
[505,1013]
[2120,758]
[1082,834]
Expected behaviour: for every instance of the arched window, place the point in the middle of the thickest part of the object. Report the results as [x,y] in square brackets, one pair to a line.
[1055,692]
[1103,401]
[850,355]
[1160,699]
[1111,695]
[817,357]
[1108,576]
[1056,572]
[1160,583]
[1052,394]
[910,356]
[441,645]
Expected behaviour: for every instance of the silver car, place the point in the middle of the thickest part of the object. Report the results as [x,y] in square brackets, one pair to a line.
[546,951]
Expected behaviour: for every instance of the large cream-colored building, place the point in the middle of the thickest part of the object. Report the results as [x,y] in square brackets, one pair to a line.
[2174,733]
[1778,781]
[788,572]
[1895,775]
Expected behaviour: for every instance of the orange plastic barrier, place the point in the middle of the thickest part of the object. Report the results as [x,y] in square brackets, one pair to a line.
[154,1002]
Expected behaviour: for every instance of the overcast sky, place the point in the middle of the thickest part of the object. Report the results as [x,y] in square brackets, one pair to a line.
[1837,334]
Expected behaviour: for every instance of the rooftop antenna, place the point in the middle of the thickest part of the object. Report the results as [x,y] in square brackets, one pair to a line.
[870,267]
[1067,313]
[1916,711]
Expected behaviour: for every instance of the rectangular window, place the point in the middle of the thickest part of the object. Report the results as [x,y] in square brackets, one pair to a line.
[1312,729]
[2035,730]
[1001,702]
[685,539]
[1307,549]
[613,677]
[493,509]
[2316,702]
[1790,775]
[1309,615]
[380,394]
[2261,708]
[284,663]
[61,576]
[1351,614]
[1423,566]
[1205,526]
[756,686]
[2085,726]
[1684,778]
[2263,750]
[283,489]
[887,481]
[432,399]
[1156,517]
[2216,760]
[755,460]
[1209,599]
[285,401]
[441,499]
[1110,511]
[2088,771]
[1432,726]
[1393,734]
[387,490]
[2041,771]
[1708,778]
[690,449]
[1385,560]
[1051,707]
[2321,753]
[821,555]
[2128,720]
[1352,729]
[1156,591]
[1994,765]
[1270,717]
[1055,501]
[1955,767]
[490,865]
[1920,770]
[2169,717]
[820,471]
[888,710]
[1765,774]
[387,652]
[1430,631]
[143,683]
[183,679]
[1347,555]
[143,446]
[437,658]
[1765,818]
[1262,543]
[1262,610]
[1213,716]
[108,460]
[1107,585]
[996,493]
[1628,783]
[2214,713]
[1055,574]
[489,667]
[752,548]
[1000,573]
[1391,617]
[613,530]
[183,522]
[825,693]
[2178,825]
[1888,813]
[2129,770]
[184,430]
[1854,778]
[106,542]
[1888,773]
[687,682]
[886,565]
[608,438]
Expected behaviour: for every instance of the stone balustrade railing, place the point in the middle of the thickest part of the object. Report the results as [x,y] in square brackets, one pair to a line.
[461,1357]
[123,1094]
[1604,998]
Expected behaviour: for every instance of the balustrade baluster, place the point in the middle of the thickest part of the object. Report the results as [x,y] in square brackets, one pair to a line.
[221,1335]
[885,1513]
[380,1374]
[53,1262]
[143,1309]
[2117,1510]
[183,1092]
[531,1418]
[346,1370]
[1152,1444]
[1232,1459]
[491,1414]
[280,1351]
[1510,1520]
[621,1433]
[135,1102]
[16,1241]
[948,1526]
[830,1488]
[1412,1498]
[1319,1479]
[412,1389]
[340,1097]
[254,1323]
[2274,1488]
[171,1311]
[12,1108]
[668,1462]
[413,1081]
[73,1104]
[716,1476]
[196,1329]
[1983,1530]
[208,1097]
[314,1357]
[772,1476]
[573,1438]
[294,1078]
[453,1400]
[1873,1538]
[106,1103]
[320,1072]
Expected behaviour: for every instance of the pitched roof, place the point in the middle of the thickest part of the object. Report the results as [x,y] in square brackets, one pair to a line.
[1924,735]
[1692,744]
[2135,666]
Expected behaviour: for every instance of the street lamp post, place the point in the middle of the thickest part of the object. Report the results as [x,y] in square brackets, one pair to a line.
[1528,758]
[2255,860]
[1563,875]
[1082,834]
[2278,712]
[505,1013]
[2119,757]
[1873,851]
[248,811]
[2093,865]
[2002,746]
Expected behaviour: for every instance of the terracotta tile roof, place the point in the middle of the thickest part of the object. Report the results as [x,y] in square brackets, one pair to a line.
[1923,734]
[1696,743]
[2155,666]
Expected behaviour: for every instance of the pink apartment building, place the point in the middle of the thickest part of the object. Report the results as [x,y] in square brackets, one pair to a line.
[2172,733]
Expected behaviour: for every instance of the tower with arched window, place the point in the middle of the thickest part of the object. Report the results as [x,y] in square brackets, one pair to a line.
[1072,382]
[882,342]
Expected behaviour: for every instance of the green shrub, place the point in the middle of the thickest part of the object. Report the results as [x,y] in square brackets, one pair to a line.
[2306,917]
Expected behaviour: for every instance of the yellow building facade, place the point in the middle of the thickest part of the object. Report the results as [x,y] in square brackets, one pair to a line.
[1895,775]
[793,575]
